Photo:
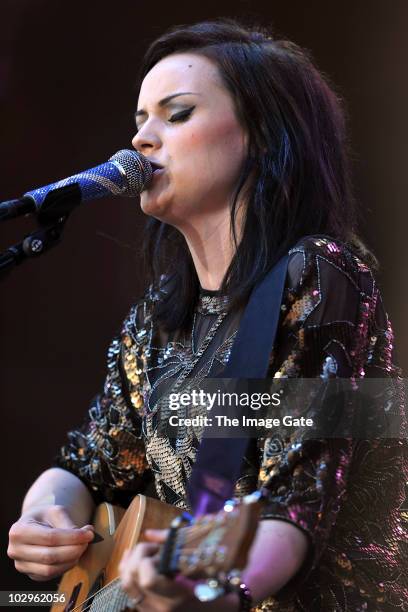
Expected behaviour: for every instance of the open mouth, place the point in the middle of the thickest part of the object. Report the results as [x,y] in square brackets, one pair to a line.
[156,167]
[157,171]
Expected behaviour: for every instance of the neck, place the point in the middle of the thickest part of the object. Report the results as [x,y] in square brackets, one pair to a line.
[212,249]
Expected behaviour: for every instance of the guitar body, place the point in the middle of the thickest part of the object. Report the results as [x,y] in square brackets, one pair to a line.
[86,586]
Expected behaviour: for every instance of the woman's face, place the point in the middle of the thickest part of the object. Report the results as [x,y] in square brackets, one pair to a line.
[187,123]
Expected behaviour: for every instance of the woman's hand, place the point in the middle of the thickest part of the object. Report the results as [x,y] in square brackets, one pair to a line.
[277,553]
[141,580]
[45,542]
[156,593]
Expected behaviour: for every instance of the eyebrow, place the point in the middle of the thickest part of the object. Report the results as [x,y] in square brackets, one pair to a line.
[166,100]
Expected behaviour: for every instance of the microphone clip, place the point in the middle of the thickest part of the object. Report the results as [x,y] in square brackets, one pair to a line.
[51,216]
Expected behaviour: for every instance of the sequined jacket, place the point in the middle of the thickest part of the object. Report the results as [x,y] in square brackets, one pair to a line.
[346,495]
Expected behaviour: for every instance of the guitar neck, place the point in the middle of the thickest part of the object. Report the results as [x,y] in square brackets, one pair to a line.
[208,548]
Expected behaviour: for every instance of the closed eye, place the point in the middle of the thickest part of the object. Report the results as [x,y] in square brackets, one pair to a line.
[181,115]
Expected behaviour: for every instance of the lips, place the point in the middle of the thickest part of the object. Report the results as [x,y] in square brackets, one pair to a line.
[155,166]
[158,170]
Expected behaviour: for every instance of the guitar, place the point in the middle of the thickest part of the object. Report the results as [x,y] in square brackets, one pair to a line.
[207,549]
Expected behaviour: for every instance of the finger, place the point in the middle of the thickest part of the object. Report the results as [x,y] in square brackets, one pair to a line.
[131,562]
[141,550]
[149,579]
[32,532]
[129,577]
[153,583]
[131,589]
[131,559]
[48,555]
[125,557]
[39,572]
[156,535]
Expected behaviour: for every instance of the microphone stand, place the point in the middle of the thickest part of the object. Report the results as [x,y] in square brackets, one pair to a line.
[52,217]
[33,245]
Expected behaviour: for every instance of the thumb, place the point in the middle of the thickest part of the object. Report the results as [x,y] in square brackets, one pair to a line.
[59,517]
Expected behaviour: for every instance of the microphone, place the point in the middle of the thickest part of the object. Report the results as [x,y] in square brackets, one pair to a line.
[127,173]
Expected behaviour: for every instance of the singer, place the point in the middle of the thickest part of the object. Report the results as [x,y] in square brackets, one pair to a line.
[249,148]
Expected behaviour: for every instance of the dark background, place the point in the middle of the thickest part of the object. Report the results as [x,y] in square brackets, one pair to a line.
[67,95]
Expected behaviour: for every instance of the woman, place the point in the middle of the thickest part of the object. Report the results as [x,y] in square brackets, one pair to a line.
[248,143]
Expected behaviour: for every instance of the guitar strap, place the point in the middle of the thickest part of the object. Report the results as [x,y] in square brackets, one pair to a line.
[219,460]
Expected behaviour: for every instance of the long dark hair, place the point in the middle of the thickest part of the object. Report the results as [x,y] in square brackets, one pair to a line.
[296,174]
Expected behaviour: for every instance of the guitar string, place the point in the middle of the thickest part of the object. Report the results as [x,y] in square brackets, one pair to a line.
[119,602]
[192,533]
[107,587]
[121,598]
[94,604]
[98,603]
[90,599]
[101,591]
[200,532]
[104,588]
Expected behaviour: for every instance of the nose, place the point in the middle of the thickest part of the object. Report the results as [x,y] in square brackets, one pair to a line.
[146,139]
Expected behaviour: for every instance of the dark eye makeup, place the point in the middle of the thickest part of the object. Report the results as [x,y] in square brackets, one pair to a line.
[181,115]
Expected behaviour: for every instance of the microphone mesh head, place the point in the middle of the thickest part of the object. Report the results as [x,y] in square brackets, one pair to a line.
[136,169]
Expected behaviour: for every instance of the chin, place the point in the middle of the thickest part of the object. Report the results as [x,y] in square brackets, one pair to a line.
[155,208]
[164,208]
